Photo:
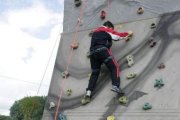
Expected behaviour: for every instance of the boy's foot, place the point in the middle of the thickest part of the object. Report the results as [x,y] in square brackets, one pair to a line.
[86,100]
[117,90]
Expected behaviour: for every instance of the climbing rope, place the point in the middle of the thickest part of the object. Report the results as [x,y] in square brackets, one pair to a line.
[54,46]
[108,8]
[74,39]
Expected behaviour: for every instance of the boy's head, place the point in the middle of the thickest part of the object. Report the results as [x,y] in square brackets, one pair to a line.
[109,24]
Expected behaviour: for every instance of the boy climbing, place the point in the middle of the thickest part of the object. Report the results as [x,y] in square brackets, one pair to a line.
[100,53]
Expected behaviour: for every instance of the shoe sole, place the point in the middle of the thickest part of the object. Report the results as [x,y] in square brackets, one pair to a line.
[84,103]
[119,93]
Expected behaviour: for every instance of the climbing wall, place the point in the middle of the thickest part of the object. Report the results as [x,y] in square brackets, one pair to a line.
[153,94]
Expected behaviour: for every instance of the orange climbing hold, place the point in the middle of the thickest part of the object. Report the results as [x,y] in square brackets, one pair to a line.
[74,45]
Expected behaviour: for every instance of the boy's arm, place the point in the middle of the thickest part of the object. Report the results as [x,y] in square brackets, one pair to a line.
[119,36]
[114,34]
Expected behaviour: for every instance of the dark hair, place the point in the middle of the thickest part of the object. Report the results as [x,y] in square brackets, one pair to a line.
[108,24]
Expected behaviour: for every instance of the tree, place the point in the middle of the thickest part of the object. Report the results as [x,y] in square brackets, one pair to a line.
[15,111]
[28,108]
[3,117]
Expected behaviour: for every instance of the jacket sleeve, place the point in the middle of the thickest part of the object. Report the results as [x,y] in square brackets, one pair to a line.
[115,35]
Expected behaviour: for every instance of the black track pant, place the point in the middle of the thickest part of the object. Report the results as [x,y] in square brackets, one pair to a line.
[96,59]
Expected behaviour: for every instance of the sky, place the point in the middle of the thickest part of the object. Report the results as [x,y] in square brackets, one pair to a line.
[29,38]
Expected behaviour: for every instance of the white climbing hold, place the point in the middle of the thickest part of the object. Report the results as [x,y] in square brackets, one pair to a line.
[130,60]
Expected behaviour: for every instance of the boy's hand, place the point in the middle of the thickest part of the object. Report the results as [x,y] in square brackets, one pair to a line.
[129,36]
[130,33]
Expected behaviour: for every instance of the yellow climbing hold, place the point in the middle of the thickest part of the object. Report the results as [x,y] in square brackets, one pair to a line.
[69,92]
[123,100]
[111,118]
[89,75]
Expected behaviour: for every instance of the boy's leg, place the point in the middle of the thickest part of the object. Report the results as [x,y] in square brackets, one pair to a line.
[114,68]
[95,66]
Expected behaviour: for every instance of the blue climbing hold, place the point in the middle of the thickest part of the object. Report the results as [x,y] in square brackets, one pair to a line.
[62,116]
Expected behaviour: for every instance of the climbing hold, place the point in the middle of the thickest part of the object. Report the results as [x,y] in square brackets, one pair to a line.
[140,10]
[89,75]
[103,15]
[123,100]
[80,22]
[151,39]
[62,116]
[77,3]
[88,54]
[111,117]
[69,92]
[74,45]
[153,25]
[161,66]
[130,35]
[130,60]
[65,74]
[159,83]
[152,42]
[131,75]
[51,105]
[90,34]
[147,106]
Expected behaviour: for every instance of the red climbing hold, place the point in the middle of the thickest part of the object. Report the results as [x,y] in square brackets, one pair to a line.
[103,15]
[152,42]
[161,66]
[77,3]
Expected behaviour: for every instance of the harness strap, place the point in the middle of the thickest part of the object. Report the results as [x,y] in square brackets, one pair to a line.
[97,50]
[107,59]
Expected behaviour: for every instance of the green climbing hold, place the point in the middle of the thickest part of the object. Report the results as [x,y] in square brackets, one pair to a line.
[147,106]
[65,74]
[131,75]
[159,83]
[123,100]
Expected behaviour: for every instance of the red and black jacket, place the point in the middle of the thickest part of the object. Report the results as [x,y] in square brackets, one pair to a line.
[103,36]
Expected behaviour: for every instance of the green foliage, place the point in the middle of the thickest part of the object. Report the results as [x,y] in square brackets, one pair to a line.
[15,111]
[3,117]
[28,108]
